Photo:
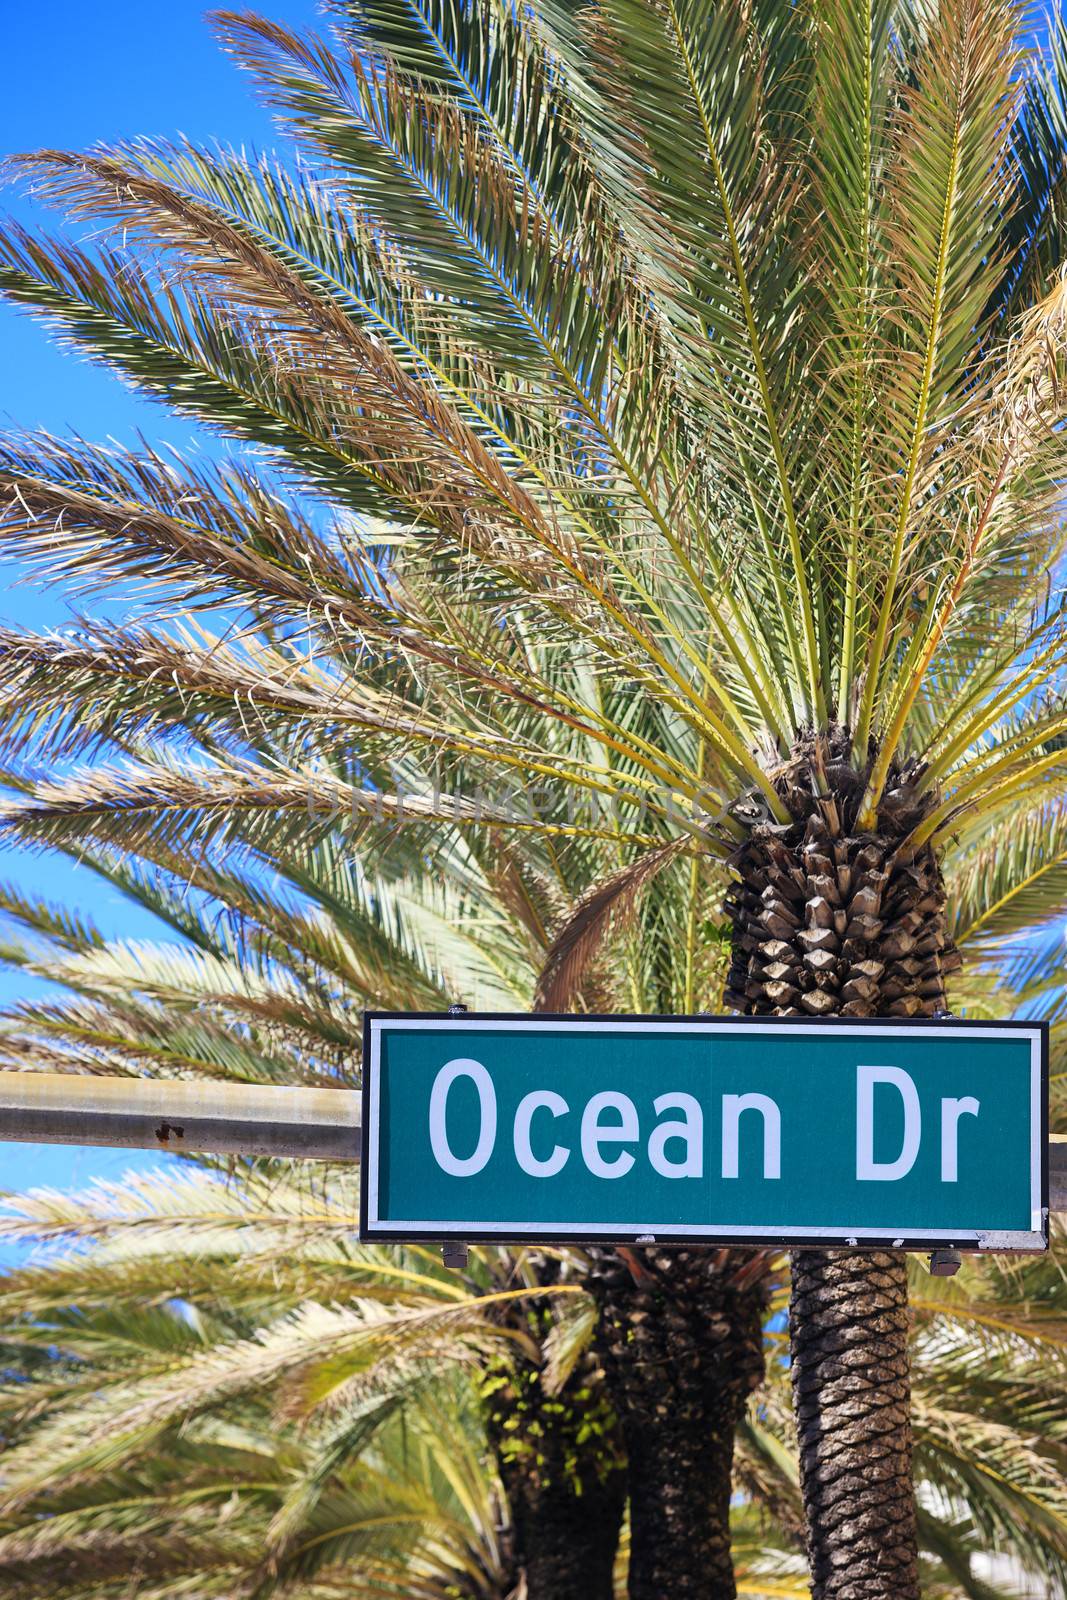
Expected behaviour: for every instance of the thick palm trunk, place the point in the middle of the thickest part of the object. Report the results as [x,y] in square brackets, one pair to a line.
[680,1338]
[562,1465]
[830,922]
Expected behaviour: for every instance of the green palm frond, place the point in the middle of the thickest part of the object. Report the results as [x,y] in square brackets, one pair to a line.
[1013,880]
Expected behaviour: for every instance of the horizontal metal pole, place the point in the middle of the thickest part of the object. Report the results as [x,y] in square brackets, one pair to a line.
[1057,1175]
[225,1118]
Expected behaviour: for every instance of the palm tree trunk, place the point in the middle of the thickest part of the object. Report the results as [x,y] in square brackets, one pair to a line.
[565,1537]
[562,1465]
[680,1337]
[827,923]
[849,1317]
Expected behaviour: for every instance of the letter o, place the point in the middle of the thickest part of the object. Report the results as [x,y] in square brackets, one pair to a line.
[466,1166]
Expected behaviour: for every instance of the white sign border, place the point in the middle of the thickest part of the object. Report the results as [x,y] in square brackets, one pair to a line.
[373,1227]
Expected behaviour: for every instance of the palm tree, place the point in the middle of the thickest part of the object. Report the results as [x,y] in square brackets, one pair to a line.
[317,1477]
[173,1009]
[269,985]
[180,1276]
[984,1346]
[703,364]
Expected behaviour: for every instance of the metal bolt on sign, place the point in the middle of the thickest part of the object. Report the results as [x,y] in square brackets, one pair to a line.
[945,1263]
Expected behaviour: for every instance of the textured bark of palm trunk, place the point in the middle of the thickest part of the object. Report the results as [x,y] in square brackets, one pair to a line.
[680,1477]
[566,1541]
[852,1398]
[829,922]
[680,1336]
[562,1465]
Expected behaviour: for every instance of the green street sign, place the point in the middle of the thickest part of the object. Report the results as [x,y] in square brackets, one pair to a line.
[912,1135]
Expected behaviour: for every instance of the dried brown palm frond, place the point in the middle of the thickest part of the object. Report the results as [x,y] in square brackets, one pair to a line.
[576,945]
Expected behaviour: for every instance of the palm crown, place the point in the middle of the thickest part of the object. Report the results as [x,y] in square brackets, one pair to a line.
[710,350]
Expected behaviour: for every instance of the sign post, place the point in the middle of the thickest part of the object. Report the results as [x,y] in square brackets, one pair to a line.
[902,1134]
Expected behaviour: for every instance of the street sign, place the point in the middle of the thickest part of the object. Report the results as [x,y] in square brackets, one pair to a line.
[906,1134]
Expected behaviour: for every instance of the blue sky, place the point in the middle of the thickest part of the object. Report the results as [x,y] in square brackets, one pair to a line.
[79,74]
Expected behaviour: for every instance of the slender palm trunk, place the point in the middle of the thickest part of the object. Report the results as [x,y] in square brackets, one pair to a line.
[561,1461]
[850,1382]
[680,1337]
[828,922]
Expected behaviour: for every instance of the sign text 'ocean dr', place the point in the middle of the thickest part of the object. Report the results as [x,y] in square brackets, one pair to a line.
[539,1128]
